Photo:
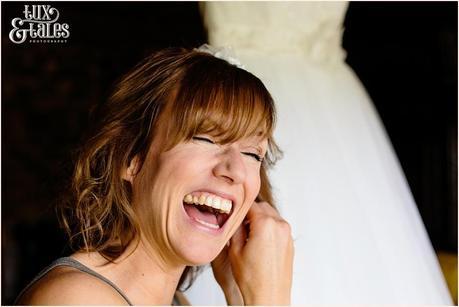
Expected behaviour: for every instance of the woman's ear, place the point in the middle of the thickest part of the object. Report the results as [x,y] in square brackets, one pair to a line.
[130,172]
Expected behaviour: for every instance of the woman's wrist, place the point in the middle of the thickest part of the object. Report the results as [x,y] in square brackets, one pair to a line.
[267,299]
[232,294]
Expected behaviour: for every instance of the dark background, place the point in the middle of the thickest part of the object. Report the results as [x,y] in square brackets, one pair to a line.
[404,53]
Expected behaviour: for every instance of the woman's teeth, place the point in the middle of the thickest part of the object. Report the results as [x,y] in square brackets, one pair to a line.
[213,201]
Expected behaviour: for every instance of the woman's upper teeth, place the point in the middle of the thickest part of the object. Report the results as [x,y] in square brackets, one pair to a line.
[210,200]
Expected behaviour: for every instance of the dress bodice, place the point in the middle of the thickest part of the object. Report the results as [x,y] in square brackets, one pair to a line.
[313,29]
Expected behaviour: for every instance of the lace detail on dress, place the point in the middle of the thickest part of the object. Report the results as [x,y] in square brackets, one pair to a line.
[313,29]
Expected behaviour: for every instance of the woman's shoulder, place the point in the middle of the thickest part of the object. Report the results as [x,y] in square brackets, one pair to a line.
[69,286]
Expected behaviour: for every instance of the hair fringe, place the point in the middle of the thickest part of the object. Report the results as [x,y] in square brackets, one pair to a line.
[214,96]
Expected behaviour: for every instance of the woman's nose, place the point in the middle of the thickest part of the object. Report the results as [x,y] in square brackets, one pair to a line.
[231,167]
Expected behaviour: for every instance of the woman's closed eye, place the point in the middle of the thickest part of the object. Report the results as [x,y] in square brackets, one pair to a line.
[254,155]
[203,139]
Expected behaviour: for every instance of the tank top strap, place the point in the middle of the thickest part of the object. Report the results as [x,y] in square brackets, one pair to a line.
[70,262]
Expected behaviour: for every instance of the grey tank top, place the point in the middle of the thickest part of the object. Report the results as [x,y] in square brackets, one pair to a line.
[70,262]
[67,261]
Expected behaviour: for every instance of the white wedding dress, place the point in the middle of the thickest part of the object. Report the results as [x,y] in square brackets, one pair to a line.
[358,235]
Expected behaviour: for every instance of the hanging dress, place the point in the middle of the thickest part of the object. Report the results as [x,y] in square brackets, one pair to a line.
[357,232]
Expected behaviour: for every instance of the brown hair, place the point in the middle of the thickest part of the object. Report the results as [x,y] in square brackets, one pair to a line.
[196,93]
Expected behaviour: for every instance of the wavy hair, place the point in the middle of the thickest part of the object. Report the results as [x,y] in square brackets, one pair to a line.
[196,93]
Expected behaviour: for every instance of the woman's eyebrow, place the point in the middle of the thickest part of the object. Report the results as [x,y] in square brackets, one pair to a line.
[257,144]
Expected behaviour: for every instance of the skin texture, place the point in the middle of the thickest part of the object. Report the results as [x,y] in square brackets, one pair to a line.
[148,273]
[64,286]
[222,269]
[245,277]
[165,179]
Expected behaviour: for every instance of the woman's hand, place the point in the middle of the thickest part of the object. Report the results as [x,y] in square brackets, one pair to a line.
[261,257]
[221,268]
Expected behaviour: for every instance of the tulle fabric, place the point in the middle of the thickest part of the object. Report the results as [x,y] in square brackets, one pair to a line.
[358,235]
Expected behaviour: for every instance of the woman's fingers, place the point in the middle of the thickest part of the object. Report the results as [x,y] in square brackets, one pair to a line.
[261,219]
[261,208]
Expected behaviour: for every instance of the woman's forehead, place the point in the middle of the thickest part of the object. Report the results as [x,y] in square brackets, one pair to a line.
[256,139]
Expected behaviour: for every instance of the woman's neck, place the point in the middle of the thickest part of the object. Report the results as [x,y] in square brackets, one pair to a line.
[142,276]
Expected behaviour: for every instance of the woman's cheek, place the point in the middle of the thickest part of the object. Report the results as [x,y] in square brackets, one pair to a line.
[256,184]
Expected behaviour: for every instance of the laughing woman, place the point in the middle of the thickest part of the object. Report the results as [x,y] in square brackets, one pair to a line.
[174,176]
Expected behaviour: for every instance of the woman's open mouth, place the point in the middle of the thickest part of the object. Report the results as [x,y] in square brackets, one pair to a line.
[207,209]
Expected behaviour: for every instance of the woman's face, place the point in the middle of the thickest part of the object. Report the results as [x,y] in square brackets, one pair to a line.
[177,193]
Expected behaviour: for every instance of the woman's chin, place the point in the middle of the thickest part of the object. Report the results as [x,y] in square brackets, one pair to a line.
[199,255]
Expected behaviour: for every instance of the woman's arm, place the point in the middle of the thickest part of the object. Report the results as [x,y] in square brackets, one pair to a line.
[221,268]
[181,299]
